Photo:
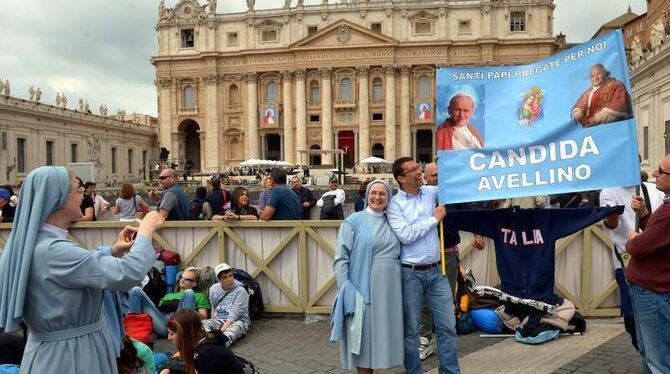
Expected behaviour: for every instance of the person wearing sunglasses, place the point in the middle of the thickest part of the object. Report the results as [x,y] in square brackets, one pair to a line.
[187,297]
[173,204]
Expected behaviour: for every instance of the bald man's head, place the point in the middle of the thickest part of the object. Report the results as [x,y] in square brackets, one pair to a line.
[430,174]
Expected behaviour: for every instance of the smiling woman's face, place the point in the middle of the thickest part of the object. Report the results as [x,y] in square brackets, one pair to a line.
[378,197]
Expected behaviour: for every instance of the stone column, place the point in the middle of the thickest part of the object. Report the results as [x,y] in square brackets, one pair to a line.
[252,115]
[326,116]
[210,163]
[281,147]
[414,151]
[287,96]
[300,114]
[405,134]
[363,113]
[165,117]
[390,139]
[263,147]
[356,146]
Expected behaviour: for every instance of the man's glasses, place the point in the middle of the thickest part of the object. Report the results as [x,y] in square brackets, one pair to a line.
[412,170]
[661,171]
[163,177]
[189,280]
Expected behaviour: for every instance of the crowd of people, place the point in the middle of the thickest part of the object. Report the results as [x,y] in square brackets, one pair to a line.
[394,306]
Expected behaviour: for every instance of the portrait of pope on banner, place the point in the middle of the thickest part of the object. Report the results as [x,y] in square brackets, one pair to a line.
[457,132]
[605,101]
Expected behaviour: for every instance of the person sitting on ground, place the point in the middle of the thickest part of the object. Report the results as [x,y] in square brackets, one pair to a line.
[230,305]
[331,202]
[283,204]
[128,204]
[197,351]
[240,210]
[135,358]
[185,298]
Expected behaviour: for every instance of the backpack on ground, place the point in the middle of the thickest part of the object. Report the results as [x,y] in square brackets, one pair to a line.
[247,366]
[156,288]
[206,278]
[256,305]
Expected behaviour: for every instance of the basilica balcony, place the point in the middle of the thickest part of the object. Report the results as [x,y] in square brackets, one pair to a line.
[188,111]
[345,104]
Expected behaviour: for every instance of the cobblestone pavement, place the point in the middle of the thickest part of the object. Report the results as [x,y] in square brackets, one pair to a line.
[290,345]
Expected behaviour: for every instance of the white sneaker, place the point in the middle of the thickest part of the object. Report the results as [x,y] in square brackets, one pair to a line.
[425,350]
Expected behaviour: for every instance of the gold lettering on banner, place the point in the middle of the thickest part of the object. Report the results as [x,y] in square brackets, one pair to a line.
[423,52]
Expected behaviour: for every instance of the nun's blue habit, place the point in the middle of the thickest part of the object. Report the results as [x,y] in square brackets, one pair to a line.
[367,312]
[55,286]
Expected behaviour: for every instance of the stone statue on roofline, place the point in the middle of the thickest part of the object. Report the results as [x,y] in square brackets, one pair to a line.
[636,50]
[38,94]
[31,93]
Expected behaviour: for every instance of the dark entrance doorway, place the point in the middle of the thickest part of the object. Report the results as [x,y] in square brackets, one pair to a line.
[191,131]
[424,146]
[378,150]
[346,142]
[273,147]
[315,159]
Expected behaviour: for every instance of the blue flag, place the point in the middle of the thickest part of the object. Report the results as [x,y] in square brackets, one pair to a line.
[562,124]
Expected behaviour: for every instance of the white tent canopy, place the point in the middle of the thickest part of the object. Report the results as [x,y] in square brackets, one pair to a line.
[374,160]
[255,162]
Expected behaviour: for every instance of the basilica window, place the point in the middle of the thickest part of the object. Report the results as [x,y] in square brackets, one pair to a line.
[50,152]
[130,161]
[189,97]
[269,35]
[346,89]
[113,160]
[377,90]
[311,30]
[187,38]
[377,116]
[314,95]
[21,155]
[424,87]
[464,26]
[233,95]
[376,27]
[423,28]
[74,152]
[232,38]
[517,21]
[271,92]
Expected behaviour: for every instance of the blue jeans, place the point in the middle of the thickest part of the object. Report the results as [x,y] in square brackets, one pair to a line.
[652,320]
[139,302]
[430,285]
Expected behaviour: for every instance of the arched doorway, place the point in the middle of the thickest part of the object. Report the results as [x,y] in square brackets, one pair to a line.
[346,142]
[424,146]
[378,150]
[315,159]
[190,133]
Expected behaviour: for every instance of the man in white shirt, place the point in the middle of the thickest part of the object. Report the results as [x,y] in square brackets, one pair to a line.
[331,202]
[618,227]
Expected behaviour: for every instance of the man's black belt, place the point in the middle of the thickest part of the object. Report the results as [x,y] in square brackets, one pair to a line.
[420,267]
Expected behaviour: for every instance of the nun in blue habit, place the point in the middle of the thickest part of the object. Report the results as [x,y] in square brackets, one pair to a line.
[367,312]
[56,287]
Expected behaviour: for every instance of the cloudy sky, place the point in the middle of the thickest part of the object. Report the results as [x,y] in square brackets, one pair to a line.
[100,50]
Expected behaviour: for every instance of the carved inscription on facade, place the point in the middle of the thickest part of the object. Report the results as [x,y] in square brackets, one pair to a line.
[343,55]
[464,52]
[422,52]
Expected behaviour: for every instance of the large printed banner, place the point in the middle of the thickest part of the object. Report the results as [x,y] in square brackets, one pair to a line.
[559,125]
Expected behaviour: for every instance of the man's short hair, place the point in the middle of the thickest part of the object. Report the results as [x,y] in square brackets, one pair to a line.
[278,175]
[89,184]
[296,177]
[397,167]
[216,183]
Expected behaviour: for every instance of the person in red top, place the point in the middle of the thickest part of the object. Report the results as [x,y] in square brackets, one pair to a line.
[456,132]
[649,275]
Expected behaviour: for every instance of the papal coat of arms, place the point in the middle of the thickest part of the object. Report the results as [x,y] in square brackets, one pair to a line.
[343,34]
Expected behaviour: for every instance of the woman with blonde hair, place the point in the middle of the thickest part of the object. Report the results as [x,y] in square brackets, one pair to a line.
[129,204]
[265,194]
